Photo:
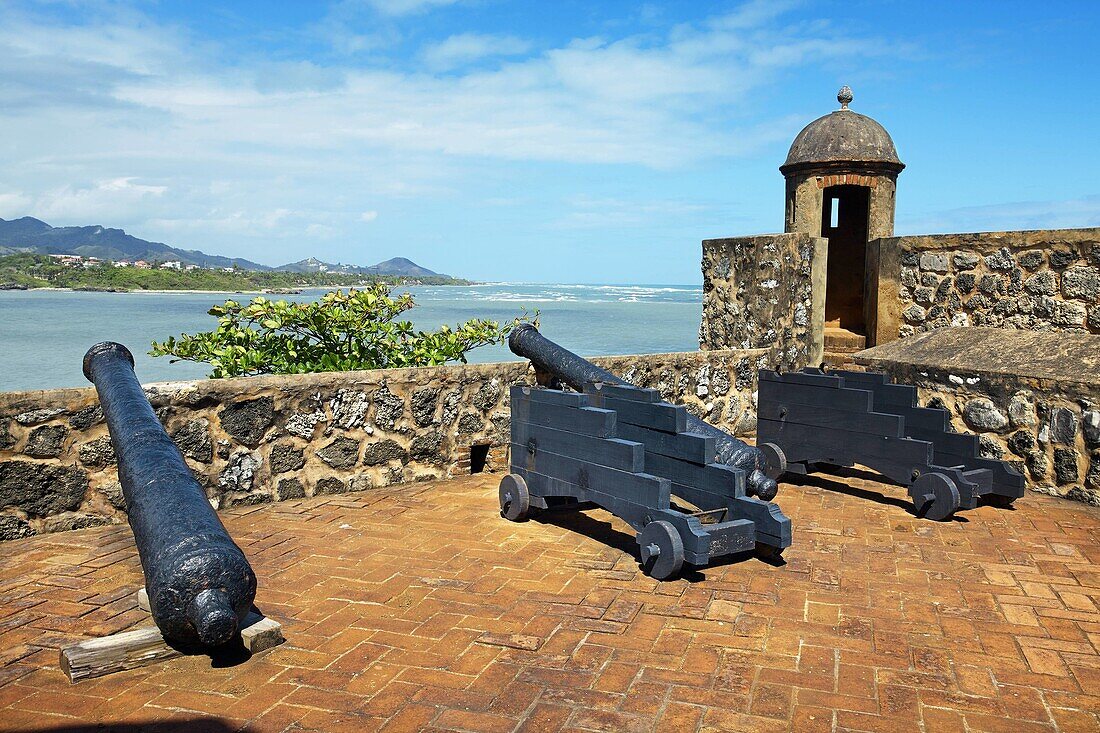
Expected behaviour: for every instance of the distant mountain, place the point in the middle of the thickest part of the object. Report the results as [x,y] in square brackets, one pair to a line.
[398,266]
[401,266]
[31,235]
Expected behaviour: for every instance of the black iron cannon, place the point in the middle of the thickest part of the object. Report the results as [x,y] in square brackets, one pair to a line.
[814,420]
[200,584]
[565,366]
[622,449]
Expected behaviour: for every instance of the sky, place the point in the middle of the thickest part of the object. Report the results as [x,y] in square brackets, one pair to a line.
[558,141]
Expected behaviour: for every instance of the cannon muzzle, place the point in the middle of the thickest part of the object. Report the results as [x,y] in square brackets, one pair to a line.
[568,368]
[200,584]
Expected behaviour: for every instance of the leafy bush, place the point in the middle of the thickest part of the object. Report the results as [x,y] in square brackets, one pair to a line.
[340,332]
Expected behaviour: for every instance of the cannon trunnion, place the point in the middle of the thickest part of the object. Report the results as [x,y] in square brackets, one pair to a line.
[200,584]
[812,420]
[621,448]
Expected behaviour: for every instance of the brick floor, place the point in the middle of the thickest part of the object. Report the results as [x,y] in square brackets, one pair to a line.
[420,608]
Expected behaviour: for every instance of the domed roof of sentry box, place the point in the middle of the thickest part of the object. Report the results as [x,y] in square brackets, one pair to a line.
[843,137]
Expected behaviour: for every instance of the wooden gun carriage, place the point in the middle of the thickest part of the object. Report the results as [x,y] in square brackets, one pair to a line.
[621,448]
[810,420]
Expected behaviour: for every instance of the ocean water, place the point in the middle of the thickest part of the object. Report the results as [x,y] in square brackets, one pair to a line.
[44,334]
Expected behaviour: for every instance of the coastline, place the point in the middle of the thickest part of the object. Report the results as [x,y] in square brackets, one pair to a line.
[303,288]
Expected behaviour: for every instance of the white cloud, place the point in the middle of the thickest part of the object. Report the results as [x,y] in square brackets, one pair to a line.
[97,203]
[464,48]
[126,122]
[404,7]
[600,213]
[368,216]
[14,205]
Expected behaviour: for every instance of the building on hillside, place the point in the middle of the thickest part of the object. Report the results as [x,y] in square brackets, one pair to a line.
[171,265]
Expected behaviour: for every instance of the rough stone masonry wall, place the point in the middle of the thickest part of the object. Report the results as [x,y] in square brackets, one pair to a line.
[262,439]
[1050,433]
[1038,280]
[1046,421]
[759,292]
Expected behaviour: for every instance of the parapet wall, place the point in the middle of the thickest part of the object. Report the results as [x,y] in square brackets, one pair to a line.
[262,439]
[1032,398]
[1032,280]
[766,291]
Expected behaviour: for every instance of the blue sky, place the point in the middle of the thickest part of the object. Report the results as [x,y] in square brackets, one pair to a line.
[537,141]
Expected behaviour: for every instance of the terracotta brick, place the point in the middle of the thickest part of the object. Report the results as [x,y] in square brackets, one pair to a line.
[878,621]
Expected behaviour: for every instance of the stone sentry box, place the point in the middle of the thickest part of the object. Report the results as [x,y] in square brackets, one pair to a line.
[841,177]
[262,439]
[838,279]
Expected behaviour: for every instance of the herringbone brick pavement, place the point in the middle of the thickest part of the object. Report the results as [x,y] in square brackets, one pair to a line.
[421,609]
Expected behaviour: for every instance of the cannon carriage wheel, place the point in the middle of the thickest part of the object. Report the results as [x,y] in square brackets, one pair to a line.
[775,461]
[935,496]
[662,550]
[515,498]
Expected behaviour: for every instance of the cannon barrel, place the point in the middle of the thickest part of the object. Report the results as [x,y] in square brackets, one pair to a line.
[200,584]
[526,341]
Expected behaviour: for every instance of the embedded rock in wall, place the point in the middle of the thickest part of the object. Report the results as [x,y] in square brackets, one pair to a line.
[286,458]
[248,420]
[13,528]
[340,453]
[981,414]
[97,453]
[349,408]
[193,440]
[40,489]
[240,472]
[46,441]
[424,401]
[86,418]
[1041,281]
[381,451]
[388,408]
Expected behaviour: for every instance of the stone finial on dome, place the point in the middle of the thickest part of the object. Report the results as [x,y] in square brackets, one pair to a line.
[842,139]
[844,96]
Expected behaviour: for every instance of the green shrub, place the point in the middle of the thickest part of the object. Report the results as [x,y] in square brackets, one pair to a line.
[342,331]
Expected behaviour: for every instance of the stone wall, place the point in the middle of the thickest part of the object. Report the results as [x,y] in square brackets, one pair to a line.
[1032,398]
[1038,280]
[765,291]
[263,439]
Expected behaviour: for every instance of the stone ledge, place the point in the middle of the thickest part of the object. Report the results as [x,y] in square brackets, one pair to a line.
[992,241]
[1071,358]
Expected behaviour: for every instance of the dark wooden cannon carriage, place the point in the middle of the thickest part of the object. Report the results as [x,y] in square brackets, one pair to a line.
[812,420]
[623,449]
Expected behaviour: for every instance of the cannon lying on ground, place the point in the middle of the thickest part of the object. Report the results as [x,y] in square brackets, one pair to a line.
[812,420]
[568,368]
[620,447]
[199,583]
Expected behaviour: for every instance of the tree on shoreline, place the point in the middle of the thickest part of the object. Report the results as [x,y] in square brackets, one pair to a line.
[343,331]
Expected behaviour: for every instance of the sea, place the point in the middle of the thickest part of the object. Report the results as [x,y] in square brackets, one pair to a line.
[44,333]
